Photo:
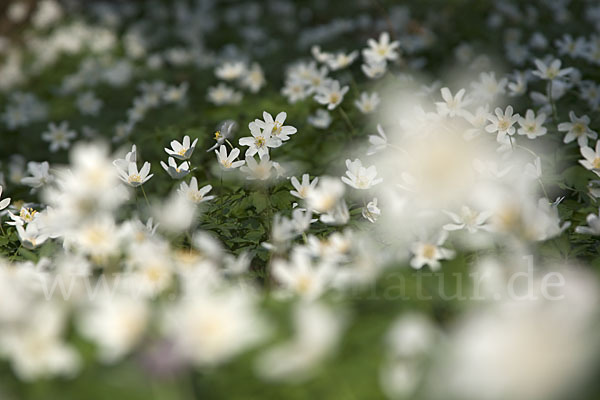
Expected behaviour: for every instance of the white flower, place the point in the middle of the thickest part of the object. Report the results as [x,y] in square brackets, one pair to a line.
[260,141]
[301,277]
[574,48]
[378,142]
[317,330]
[210,328]
[320,56]
[223,94]
[593,225]
[25,216]
[192,193]
[502,123]
[254,79]
[226,129]
[283,230]
[592,158]
[278,130]
[321,119]
[227,162]
[5,202]
[31,236]
[294,90]
[340,60]
[302,189]
[519,86]
[330,94]
[430,253]
[578,129]
[89,104]
[176,214]
[360,177]
[452,106]
[122,164]
[175,171]
[374,69]
[36,349]
[115,323]
[258,171]
[40,174]
[176,94]
[230,71]
[534,170]
[339,215]
[98,237]
[134,178]
[371,212]
[182,151]
[326,195]
[301,220]
[367,103]
[477,121]
[381,50]
[552,71]
[487,88]
[468,219]
[531,125]
[59,136]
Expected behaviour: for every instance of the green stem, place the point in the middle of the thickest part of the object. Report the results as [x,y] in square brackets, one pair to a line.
[145,197]
[346,119]
[16,252]
[552,103]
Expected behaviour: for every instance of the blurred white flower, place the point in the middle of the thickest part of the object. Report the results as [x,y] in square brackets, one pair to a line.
[532,126]
[578,128]
[116,323]
[593,225]
[550,71]
[371,212]
[209,328]
[430,252]
[330,94]
[452,106]
[367,103]
[381,50]
[59,136]
[317,332]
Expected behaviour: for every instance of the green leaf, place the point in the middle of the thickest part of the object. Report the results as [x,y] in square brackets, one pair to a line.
[259,201]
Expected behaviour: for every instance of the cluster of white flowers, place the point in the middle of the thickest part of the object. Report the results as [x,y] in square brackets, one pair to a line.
[250,78]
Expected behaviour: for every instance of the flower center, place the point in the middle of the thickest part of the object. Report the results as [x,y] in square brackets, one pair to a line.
[27,214]
[428,251]
[135,178]
[276,128]
[260,141]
